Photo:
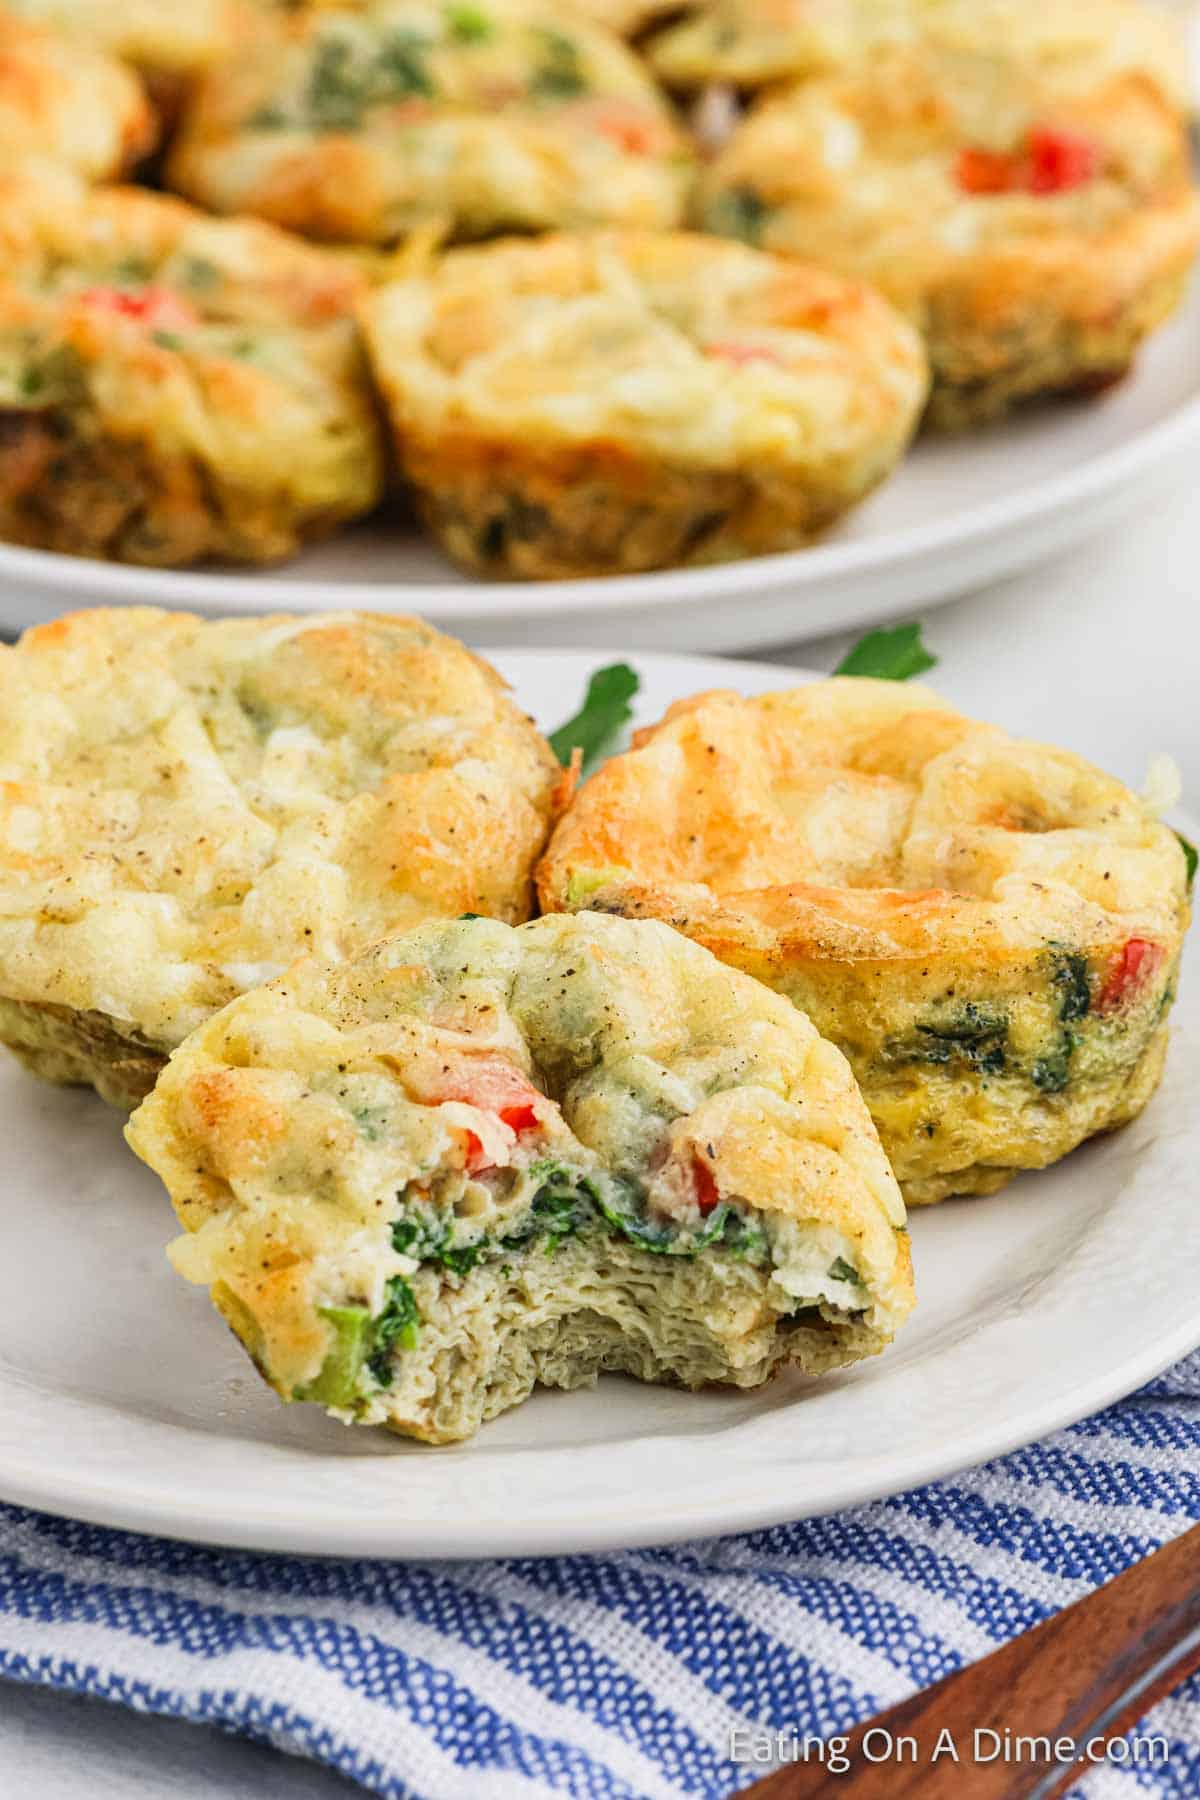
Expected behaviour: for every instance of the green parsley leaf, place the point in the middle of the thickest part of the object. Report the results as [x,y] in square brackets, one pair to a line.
[604,711]
[889,655]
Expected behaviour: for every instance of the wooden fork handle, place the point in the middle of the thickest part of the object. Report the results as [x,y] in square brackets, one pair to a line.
[1093,1670]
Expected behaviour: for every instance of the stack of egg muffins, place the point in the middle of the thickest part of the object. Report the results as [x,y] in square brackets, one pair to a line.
[597,287]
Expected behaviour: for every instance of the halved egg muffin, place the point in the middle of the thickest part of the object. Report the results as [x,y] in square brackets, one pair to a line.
[589,404]
[174,387]
[750,43]
[989,929]
[69,103]
[479,1159]
[1036,224]
[186,806]
[369,123]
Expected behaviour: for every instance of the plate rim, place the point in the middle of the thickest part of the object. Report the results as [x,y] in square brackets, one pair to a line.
[324,1528]
[497,603]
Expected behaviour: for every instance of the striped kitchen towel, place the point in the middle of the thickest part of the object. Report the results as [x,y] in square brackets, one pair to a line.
[625,1675]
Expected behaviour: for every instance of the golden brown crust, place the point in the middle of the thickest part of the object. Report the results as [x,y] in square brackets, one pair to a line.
[189,805]
[989,929]
[623,401]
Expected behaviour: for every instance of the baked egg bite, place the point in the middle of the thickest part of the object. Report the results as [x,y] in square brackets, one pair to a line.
[168,40]
[174,387]
[586,405]
[1035,228]
[478,1159]
[186,806]
[69,103]
[989,929]
[750,43]
[367,124]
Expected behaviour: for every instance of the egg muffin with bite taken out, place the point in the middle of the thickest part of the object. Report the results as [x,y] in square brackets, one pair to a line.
[479,1159]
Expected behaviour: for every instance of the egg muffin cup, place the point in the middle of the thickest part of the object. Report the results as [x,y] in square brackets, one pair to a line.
[69,103]
[478,1159]
[751,44]
[185,807]
[1036,223]
[989,929]
[366,124]
[174,387]
[591,405]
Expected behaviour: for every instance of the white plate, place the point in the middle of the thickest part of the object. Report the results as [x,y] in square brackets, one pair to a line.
[960,512]
[125,1401]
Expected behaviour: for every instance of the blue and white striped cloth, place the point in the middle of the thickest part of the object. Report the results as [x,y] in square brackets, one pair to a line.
[615,1677]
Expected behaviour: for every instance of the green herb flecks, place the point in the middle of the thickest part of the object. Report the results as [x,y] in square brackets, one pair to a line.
[343,83]
[559,73]
[739,212]
[604,712]
[1051,1073]
[888,655]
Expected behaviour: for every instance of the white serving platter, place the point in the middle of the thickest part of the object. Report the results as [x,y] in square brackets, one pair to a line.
[123,1399]
[960,512]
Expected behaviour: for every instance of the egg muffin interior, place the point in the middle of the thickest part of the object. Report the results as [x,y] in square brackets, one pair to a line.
[479,1158]
[626,400]
[365,123]
[1035,220]
[173,387]
[989,929]
[186,806]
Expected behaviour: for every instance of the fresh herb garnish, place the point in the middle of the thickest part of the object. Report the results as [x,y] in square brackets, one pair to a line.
[888,655]
[604,711]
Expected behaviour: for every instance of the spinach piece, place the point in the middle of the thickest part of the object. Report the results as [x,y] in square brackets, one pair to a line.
[342,85]
[1051,1073]
[559,74]
[429,1236]
[890,655]
[557,1211]
[620,1206]
[841,1270]
[977,1036]
[1069,973]
[397,1325]
[604,711]
[1190,857]
[739,212]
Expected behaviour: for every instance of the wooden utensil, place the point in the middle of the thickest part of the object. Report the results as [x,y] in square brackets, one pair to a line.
[1092,1671]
